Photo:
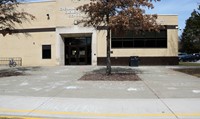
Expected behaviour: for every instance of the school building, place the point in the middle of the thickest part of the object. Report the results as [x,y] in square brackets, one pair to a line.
[55,39]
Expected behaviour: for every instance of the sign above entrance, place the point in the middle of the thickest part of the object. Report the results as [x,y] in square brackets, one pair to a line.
[71,12]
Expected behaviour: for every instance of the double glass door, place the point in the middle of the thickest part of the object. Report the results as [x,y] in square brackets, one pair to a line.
[76,55]
[77,51]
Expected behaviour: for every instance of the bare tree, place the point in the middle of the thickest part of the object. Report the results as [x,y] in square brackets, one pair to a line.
[10,16]
[119,14]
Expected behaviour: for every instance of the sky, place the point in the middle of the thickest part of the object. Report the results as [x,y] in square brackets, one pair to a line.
[182,8]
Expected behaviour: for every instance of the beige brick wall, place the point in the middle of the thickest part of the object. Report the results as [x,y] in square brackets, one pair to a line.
[40,11]
[28,47]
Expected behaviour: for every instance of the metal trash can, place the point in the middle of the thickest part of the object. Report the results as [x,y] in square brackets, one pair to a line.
[134,61]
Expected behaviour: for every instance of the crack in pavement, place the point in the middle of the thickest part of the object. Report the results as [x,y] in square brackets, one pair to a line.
[159,98]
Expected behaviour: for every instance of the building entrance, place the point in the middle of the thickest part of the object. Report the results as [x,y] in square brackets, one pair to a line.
[78,51]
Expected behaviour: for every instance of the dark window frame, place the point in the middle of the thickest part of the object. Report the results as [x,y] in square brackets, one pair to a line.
[46,51]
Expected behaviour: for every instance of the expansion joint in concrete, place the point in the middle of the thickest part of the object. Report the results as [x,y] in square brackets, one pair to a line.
[160,99]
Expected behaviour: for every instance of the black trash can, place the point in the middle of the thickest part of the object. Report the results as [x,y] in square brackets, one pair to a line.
[134,61]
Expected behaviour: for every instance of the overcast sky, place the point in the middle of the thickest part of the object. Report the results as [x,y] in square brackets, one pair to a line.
[182,8]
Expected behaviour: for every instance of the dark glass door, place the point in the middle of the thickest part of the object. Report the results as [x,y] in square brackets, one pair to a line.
[82,55]
[73,55]
[77,55]
[77,51]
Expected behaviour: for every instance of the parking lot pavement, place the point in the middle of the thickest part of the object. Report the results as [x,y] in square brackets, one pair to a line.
[56,92]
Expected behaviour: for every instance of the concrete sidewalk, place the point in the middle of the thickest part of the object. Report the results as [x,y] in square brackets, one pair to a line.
[55,92]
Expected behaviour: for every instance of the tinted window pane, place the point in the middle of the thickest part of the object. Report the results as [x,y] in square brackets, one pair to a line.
[128,44]
[162,43]
[127,39]
[117,39]
[128,34]
[46,51]
[150,43]
[116,44]
[76,41]
[139,35]
[161,34]
[118,34]
[139,43]
[88,40]
[79,41]
[150,34]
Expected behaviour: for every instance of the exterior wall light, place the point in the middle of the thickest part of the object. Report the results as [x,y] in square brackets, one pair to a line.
[48,17]
[75,22]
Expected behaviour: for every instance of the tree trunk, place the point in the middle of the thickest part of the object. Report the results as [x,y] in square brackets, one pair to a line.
[108,62]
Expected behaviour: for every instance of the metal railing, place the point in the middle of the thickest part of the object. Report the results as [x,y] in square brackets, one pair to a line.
[4,61]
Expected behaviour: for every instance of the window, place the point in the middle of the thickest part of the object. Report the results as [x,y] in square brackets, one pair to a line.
[78,41]
[46,51]
[147,39]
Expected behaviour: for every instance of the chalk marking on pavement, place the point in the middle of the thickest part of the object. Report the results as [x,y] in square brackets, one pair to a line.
[90,114]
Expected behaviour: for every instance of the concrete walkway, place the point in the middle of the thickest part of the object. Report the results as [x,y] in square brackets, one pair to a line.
[55,92]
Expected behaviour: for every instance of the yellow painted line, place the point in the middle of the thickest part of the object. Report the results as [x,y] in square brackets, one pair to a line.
[18,117]
[99,114]
[188,114]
